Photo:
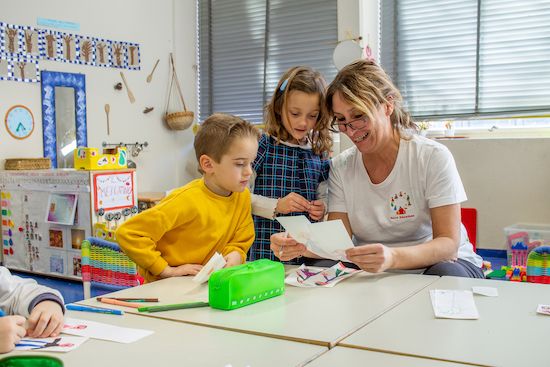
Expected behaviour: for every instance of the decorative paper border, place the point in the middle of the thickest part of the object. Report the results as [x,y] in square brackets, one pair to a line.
[9,66]
[51,45]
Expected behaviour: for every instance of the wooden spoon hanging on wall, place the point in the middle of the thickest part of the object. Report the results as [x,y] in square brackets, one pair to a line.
[130,94]
[107,110]
[150,77]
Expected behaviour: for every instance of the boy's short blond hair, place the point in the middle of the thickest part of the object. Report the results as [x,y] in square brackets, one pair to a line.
[217,133]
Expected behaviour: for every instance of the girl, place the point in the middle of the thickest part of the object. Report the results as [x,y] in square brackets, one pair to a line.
[292,158]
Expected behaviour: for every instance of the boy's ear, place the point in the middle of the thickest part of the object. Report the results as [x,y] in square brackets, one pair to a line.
[206,163]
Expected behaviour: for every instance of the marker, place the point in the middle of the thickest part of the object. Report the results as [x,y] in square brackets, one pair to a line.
[178,306]
[92,309]
[113,301]
[133,299]
[1,313]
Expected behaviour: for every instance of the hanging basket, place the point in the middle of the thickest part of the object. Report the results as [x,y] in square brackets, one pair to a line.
[180,120]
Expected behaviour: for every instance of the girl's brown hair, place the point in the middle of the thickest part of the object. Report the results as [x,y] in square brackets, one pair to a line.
[365,86]
[307,80]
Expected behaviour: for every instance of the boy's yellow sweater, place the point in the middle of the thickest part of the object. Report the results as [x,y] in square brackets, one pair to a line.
[188,227]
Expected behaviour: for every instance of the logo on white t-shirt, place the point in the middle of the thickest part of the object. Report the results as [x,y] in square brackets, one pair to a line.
[401,206]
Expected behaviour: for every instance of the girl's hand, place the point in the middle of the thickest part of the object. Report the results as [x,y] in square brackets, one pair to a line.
[286,248]
[317,210]
[233,258]
[46,320]
[12,329]
[292,203]
[373,258]
[177,271]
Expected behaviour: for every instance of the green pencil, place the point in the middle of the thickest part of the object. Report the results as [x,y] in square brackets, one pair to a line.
[178,306]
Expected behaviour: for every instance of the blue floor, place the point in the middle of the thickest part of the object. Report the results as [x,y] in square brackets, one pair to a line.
[72,290]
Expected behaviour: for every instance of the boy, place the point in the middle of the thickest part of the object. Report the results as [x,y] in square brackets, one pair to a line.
[180,234]
[23,298]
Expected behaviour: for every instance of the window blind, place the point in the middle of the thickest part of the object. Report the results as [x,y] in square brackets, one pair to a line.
[246,45]
[468,57]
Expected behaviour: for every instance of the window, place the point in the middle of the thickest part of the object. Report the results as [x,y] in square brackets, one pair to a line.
[468,58]
[244,46]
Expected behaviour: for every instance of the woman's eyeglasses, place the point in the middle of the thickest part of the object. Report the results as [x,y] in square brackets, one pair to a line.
[355,124]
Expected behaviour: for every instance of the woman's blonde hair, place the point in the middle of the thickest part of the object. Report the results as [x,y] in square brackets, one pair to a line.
[366,86]
[307,80]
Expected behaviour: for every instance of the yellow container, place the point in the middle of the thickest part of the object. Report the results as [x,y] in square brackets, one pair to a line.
[90,158]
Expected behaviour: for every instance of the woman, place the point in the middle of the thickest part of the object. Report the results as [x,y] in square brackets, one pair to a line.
[397,193]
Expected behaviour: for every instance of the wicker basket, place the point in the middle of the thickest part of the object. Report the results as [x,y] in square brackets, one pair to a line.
[179,120]
[27,163]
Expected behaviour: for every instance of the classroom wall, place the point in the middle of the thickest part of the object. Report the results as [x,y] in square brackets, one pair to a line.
[160,27]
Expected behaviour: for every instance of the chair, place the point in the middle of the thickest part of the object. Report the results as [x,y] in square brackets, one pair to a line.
[469,219]
[104,264]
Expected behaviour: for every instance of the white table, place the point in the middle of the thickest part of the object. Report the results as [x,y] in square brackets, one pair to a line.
[341,356]
[180,344]
[509,332]
[320,316]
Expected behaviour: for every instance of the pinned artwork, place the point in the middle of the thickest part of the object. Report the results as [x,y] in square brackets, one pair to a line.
[30,39]
[134,56]
[77,236]
[68,47]
[119,54]
[57,262]
[86,46]
[5,73]
[56,237]
[50,47]
[10,39]
[102,52]
[61,208]
[75,263]
[25,70]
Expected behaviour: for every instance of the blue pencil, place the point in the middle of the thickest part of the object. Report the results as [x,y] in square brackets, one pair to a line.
[93,309]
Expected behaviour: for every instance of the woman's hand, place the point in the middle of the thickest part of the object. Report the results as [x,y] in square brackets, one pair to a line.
[286,248]
[317,210]
[46,320]
[373,258]
[292,203]
[177,271]
[12,329]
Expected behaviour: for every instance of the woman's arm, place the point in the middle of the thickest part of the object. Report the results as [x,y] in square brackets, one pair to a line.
[443,247]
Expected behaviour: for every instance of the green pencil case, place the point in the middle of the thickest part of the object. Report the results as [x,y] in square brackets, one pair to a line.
[246,284]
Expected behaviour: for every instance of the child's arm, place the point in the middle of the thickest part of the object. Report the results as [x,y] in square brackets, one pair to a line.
[12,329]
[19,296]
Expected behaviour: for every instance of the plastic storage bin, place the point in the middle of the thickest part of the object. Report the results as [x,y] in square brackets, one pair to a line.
[521,238]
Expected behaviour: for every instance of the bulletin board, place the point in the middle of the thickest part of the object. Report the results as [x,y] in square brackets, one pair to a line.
[42,229]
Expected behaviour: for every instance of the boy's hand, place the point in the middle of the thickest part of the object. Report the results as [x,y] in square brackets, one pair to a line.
[233,258]
[292,203]
[178,271]
[12,329]
[317,210]
[46,320]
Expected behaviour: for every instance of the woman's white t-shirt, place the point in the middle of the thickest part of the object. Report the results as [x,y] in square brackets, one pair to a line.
[396,212]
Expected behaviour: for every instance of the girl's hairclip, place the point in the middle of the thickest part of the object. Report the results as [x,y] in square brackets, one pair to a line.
[283,86]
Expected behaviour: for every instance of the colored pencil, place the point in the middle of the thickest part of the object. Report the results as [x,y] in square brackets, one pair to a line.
[178,306]
[113,301]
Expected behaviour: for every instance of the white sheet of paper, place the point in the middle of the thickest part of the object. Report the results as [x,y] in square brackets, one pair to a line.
[98,330]
[327,239]
[543,309]
[57,344]
[216,262]
[486,291]
[454,304]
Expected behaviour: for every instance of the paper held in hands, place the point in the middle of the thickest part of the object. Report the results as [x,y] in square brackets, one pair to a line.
[328,239]
[216,262]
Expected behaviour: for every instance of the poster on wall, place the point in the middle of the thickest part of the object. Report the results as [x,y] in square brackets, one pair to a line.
[113,191]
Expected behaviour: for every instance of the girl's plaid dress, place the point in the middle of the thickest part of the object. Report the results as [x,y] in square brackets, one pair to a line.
[280,170]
